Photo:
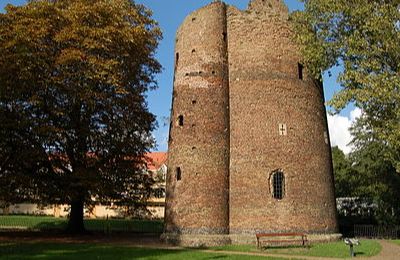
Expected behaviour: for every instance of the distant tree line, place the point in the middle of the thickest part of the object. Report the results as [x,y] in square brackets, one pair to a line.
[368,177]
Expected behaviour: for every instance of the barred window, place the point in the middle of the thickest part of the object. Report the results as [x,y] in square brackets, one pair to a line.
[278,185]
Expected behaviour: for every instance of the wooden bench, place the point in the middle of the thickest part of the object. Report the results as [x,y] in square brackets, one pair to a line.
[278,238]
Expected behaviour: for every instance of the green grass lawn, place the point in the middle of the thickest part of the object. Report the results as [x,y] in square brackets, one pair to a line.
[51,223]
[396,241]
[94,251]
[333,249]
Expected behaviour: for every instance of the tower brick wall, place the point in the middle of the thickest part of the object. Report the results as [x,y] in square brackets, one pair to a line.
[266,92]
[249,110]
[199,147]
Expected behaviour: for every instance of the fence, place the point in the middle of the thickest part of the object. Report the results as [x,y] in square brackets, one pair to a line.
[371,231]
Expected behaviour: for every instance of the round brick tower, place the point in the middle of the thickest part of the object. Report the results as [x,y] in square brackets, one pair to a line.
[281,176]
[198,161]
[249,148]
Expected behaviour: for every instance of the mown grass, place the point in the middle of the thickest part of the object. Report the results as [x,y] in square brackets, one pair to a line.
[333,249]
[50,223]
[95,251]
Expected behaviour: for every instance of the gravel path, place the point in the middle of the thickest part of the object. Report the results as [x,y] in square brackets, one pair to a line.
[390,251]
[273,255]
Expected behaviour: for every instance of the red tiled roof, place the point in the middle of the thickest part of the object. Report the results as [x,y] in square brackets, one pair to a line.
[155,160]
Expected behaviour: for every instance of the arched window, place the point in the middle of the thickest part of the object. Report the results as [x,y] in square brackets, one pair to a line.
[278,185]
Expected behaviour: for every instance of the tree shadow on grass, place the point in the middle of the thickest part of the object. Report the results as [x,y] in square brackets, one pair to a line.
[51,226]
[78,251]
[68,251]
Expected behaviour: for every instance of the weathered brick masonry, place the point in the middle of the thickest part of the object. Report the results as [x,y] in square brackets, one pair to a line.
[244,109]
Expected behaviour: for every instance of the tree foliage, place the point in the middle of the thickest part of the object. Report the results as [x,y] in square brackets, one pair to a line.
[377,178]
[345,177]
[74,123]
[368,176]
[362,36]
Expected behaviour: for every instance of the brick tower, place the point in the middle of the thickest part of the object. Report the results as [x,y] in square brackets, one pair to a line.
[249,147]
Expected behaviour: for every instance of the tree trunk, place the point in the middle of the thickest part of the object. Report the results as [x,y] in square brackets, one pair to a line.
[75,222]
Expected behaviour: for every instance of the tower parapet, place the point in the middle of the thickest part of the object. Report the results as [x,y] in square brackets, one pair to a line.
[268,6]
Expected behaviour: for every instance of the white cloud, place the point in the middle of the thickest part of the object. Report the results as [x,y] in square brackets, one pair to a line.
[339,129]
[355,113]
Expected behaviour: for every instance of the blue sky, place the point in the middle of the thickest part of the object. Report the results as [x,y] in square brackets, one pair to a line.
[170,14]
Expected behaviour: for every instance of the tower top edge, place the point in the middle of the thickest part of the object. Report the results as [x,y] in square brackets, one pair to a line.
[276,6]
[259,7]
[204,10]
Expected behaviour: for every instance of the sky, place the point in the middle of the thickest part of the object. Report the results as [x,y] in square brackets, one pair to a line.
[170,14]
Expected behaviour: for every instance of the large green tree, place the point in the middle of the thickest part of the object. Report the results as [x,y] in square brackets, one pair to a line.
[362,36]
[74,123]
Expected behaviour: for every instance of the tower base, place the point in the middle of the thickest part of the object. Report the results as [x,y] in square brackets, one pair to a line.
[199,241]
[196,240]
[247,239]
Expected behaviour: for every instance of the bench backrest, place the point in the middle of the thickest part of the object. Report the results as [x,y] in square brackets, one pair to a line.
[281,235]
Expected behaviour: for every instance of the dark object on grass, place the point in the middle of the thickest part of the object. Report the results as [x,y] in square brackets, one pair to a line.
[351,242]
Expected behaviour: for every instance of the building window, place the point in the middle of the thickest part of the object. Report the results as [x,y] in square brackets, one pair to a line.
[278,185]
[180,120]
[178,173]
[300,69]
[159,193]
